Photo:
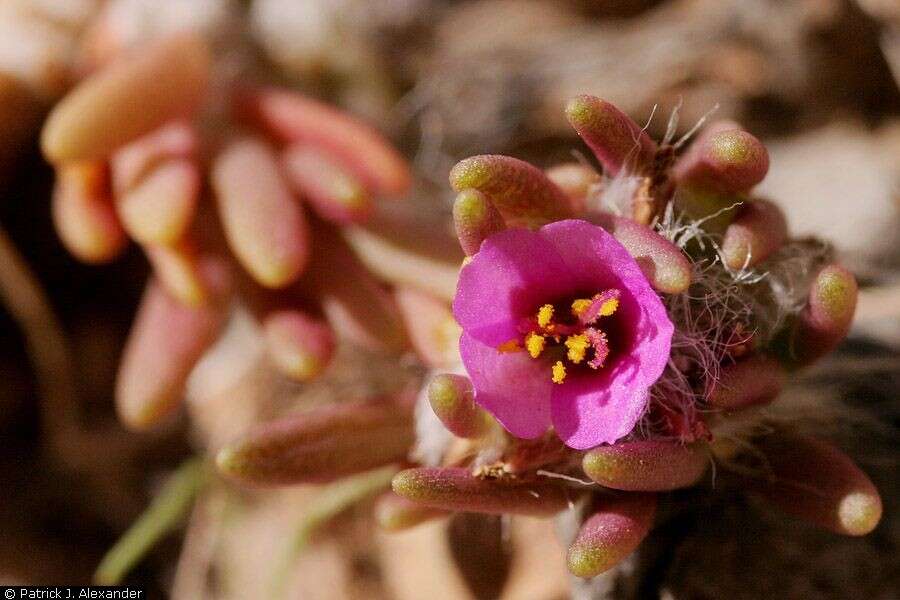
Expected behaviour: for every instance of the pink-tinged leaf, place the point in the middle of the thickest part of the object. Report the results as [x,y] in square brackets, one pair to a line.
[519,190]
[128,99]
[357,307]
[452,399]
[265,226]
[826,319]
[758,231]
[814,481]
[322,444]
[299,345]
[179,272]
[611,533]
[661,261]
[729,161]
[83,214]
[160,207]
[131,163]
[292,118]
[166,340]
[475,219]
[646,466]
[394,513]
[332,191]
[433,331]
[615,139]
[577,181]
[456,489]
[750,382]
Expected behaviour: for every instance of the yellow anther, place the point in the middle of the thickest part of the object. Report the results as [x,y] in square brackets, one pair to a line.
[609,307]
[545,314]
[577,345]
[534,343]
[580,305]
[559,372]
[510,346]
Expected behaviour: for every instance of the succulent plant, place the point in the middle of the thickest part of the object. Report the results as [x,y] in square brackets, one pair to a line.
[582,416]
[622,333]
[619,331]
[133,157]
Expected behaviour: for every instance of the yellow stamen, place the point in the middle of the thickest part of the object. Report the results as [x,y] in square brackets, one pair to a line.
[510,346]
[580,305]
[534,343]
[545,314]
[609,307]
[559,372]
[577,345]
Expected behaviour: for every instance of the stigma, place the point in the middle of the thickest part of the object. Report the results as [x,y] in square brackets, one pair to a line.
[569,337]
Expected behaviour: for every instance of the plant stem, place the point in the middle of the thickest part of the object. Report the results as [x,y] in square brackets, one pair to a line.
[166,512]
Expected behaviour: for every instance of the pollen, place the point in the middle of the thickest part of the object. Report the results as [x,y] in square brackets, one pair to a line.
[559,372]
[534,343]
[580,305]
[577,345]
[509,346]
[545,314]
[609,307]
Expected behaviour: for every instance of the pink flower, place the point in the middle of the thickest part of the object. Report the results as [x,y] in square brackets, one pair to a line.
[561,327]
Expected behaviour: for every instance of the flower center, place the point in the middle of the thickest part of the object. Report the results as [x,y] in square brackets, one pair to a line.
[571,334]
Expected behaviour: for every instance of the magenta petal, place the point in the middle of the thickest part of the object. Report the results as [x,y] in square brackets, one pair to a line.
[511,386]
[514,273]
[589,410]
[595,257]
[517,271]
[595,408]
